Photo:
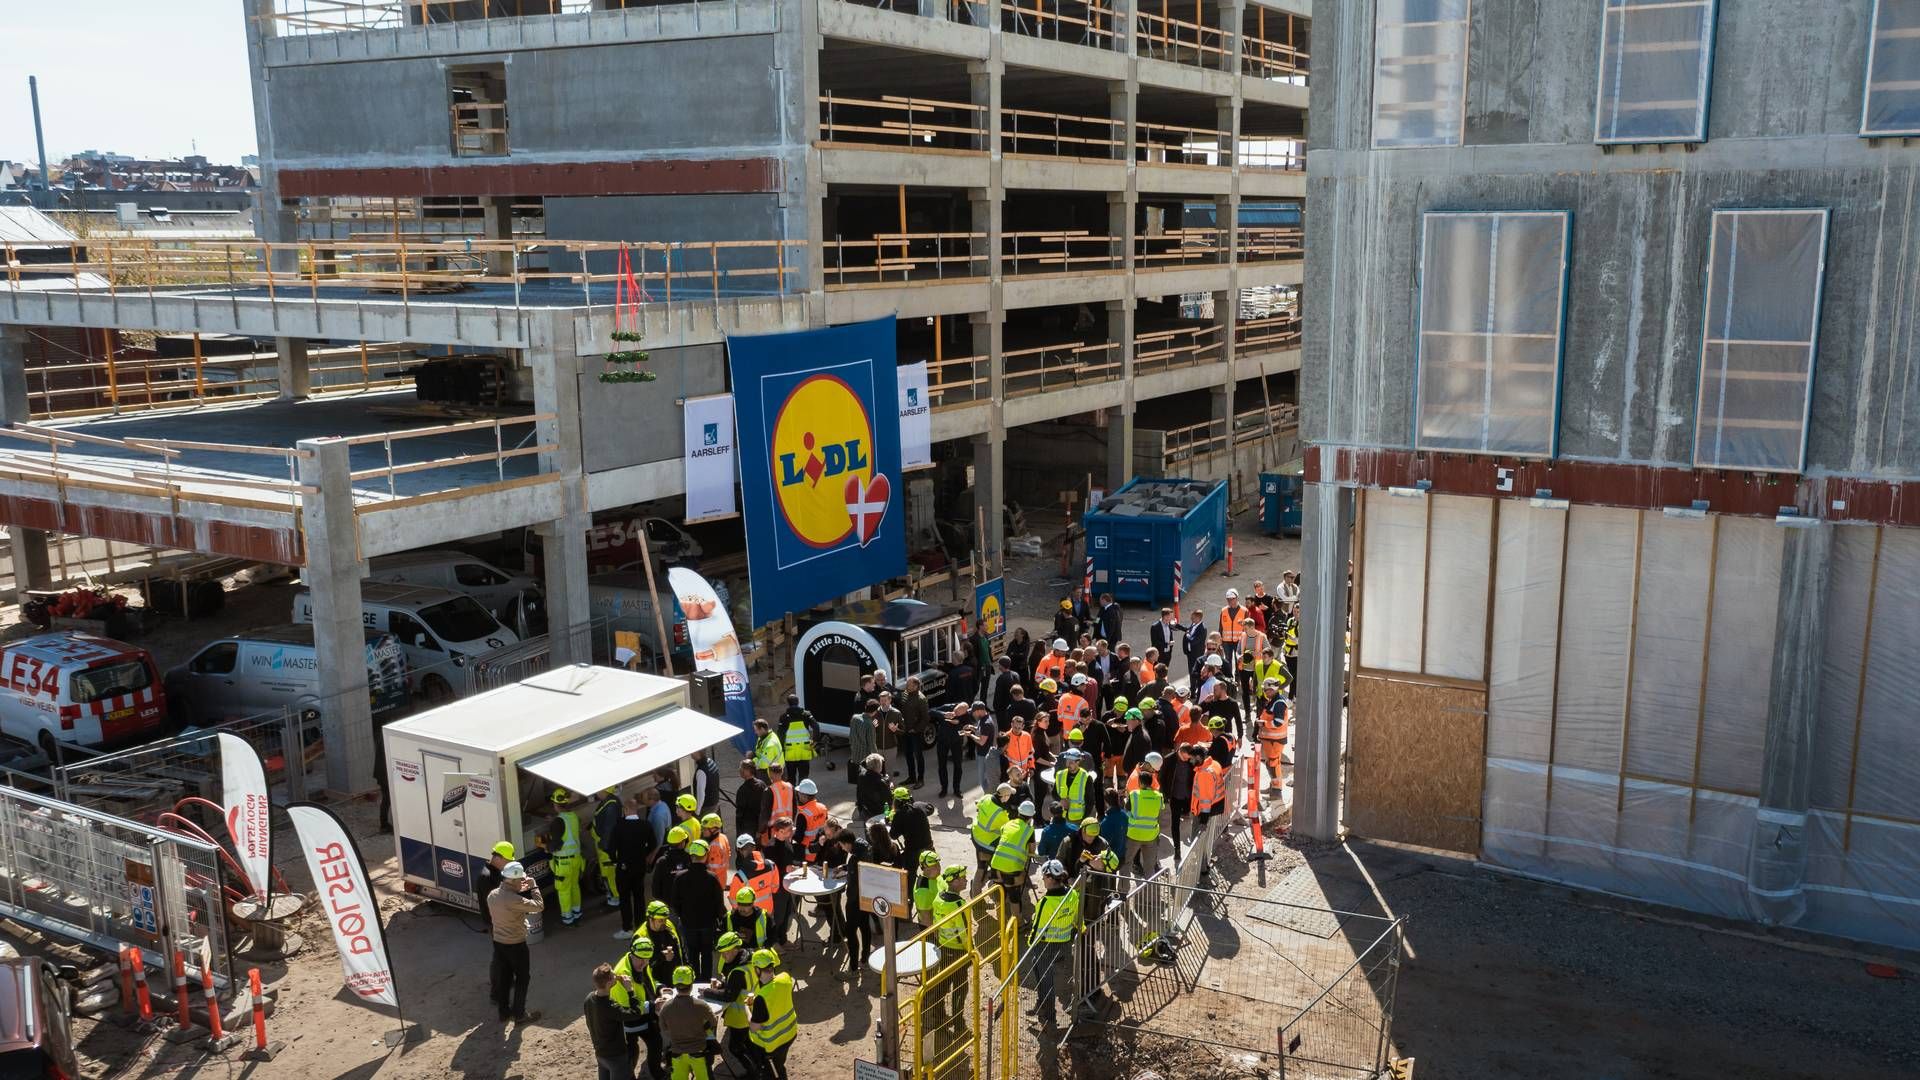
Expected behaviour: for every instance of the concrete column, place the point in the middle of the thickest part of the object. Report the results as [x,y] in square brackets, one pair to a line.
[1119,446]
[1231,19]
[332,573]
[554,361]
[1226,117]
[1320,700]
[1777,859]
[1123,17]
[27,547]
[990,493]
[296,377]
[497,224]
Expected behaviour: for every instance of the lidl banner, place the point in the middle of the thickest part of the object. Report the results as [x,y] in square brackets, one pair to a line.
[817,412]
[990,607]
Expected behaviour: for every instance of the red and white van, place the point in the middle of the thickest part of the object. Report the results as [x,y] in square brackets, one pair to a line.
[78,688]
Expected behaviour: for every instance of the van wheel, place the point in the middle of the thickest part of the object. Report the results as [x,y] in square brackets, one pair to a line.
[47,741]
[435,691]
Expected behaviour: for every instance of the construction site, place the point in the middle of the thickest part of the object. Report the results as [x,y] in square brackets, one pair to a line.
[1546,396]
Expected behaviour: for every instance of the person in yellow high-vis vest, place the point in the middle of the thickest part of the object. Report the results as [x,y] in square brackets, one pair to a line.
[568,863]
[1056,922]
[771,1020]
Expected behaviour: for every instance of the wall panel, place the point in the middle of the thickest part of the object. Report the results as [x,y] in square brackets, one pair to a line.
[1417,751]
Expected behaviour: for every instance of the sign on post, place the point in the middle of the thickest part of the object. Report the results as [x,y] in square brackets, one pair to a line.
[884,883]
[867,1070]
[990,607]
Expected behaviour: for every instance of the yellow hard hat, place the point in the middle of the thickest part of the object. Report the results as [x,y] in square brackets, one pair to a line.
[560,797]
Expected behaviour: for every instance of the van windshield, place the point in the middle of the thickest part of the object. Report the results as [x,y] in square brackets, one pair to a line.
[459,619]
[110,680]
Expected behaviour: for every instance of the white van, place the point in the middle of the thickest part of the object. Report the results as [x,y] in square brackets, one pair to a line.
[455,571]
[440,631]
[265,670]
[78,688]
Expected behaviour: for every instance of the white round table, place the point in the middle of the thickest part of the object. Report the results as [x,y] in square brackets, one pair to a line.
[700,995]
[909,959]
[1046,776]
[811,886]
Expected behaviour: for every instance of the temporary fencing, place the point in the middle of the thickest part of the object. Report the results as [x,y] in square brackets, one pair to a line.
[951,1025]
[145,782]
[110,882]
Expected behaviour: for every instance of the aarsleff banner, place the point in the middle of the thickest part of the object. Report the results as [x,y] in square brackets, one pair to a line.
[709,457]
[916,418]
[819,423]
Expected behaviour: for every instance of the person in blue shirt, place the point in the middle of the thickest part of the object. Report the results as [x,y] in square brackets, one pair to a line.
[1058,829]
[1113,825]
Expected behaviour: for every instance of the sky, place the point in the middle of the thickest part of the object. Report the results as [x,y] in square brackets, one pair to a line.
[148,78]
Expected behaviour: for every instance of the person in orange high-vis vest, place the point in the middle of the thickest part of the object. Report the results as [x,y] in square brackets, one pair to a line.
[1072,709]
[1019,748]
[1209,786]
[1233,631]
[779,801]
[754,871]
[1052,665]
[1272,729]
[1253,806]
[719,848]
[811,815]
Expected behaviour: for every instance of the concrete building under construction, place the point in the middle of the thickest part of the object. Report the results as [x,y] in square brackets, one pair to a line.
[1611,377]
[1084,216]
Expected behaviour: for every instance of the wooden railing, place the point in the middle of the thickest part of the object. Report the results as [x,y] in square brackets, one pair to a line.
[129,382]
[292,18]
[1197,246]
[1268,244]
[955,381]
[501,453]
[903,122]
[1050,367]
[1059,252]
[1166,36]
[1254,152]
[1273,332]
[1168,350]
[1029,131]
[1213,436]
[479,128]
[905,257]
[1071,21]
[1272,52]
[1176,144]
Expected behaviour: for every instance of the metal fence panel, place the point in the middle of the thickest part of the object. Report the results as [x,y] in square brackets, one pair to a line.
[107,881]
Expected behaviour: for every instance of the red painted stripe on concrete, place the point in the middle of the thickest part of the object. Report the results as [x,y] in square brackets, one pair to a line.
[680,176]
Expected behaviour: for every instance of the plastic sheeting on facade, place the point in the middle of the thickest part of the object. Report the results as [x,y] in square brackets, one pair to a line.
[1419,72]
[1893,70]
[1654,71]
[1762,319]
[1492,292]
[1424,609]
[1626,710]
[1863,868]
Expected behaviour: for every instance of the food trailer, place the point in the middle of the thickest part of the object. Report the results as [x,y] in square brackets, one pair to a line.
[474,772]
[901,638]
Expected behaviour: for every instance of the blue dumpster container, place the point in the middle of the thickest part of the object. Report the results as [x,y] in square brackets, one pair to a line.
[1280,504]
[1137,534]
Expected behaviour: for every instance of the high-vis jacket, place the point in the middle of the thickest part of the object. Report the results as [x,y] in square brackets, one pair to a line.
[569,836]
[1072,711]
[1209,788]
[988,818]
[768,752]
[781,1024]
[1011,853]
[1071,786]
[780,800]
[952,934]
[1233,624]
[1273,721]
[1056,919]
[1143,815]
[763,878]
[1020,750]
[799,742]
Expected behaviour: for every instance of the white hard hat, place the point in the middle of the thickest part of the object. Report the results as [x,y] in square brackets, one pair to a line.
[807,787]
[1154,760]
[743,840]
[1233,594]
[1026,808]
[1214,660]
[1079,679]
[1052,868]
[1060,644]
[513,871]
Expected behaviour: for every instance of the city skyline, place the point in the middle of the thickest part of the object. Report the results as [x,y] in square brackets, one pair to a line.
[104,85]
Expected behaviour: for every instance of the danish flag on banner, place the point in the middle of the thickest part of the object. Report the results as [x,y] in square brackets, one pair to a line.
[867,508]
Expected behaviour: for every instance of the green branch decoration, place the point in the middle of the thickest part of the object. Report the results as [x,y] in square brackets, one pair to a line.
[622,361]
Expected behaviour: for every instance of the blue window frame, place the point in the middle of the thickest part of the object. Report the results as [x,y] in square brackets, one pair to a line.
[1892,106]
[1493,295]
[1656,69]
[1420,72]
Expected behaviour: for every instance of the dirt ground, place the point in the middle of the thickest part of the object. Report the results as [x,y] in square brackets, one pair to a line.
[1503,977]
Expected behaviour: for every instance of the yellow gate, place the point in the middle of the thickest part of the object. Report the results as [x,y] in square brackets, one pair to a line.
[946,1013]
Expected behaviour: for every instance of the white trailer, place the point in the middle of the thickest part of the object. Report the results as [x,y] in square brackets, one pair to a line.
[468,774]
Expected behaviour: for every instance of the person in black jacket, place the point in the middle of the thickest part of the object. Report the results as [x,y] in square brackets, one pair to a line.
[1064,624]
[748,800]
[798,770]
[871,792]
[605,1028]
[1111,617]
[1004,681]
[632,845]
[670,860]
[849,851]
[911,825]
[490,879]
[700,903]
[1194,648]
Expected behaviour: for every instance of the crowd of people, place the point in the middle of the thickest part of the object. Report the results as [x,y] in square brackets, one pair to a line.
[1085,754]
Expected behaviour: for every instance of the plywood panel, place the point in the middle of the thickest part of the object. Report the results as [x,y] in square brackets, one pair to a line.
[1418,762]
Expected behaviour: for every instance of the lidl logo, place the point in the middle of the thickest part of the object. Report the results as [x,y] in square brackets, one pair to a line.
[824,477]
[990,615]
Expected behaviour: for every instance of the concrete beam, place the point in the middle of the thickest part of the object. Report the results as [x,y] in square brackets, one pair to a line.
[516,504]
[914,168]
[333,573]
[696,322]
[1022,50]
[1026,172]
[856,22]
[667,22]
[913,301]
[216,311]
[27,547]
[1256,183]
[1162,179]
[1319,739]
[1068,401]
[1048,290]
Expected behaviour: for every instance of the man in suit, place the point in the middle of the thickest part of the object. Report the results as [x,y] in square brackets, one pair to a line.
[1194,647]
[1110,616]
[1165,632]
[1003,683]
